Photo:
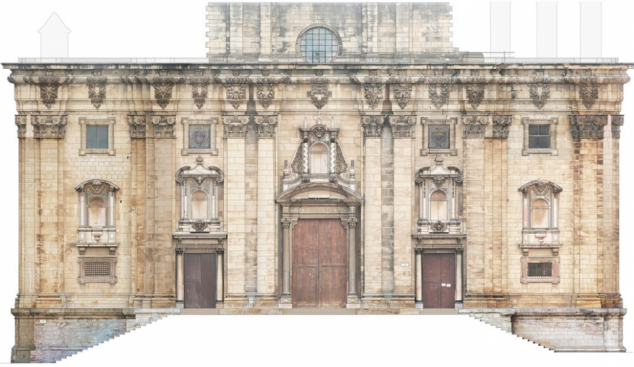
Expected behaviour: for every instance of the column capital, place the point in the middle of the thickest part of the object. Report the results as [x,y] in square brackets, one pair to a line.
[164,126]
[501,125]
[265,126]
[474,126]
[20,122]
[286,223]
[372,125]
[587,126]
[617,122]
[49,127]
[180,251]
[235,126]
[402,126]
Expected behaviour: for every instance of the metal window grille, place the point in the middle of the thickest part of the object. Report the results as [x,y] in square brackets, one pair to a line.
[97,269]
[540,270]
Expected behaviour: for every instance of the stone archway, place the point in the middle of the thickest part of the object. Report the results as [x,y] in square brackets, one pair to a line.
[320,201]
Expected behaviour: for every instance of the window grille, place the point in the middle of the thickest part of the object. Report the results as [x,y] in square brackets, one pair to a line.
[540,270]
[97,269]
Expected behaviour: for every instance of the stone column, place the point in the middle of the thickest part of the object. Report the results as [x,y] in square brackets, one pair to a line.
[403,133]
[180,278]
[160,222]
[479,261]
[235,131]
[50,130]
[587,134]
[286,300]
[458,278]
[419,278]
[266,131]
[220,278]
[372,129]
[353,298]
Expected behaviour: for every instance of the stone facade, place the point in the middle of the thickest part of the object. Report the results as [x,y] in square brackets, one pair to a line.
[396,137]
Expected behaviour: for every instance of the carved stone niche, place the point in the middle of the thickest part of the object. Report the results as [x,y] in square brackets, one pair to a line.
[540,211]
[97,227]
[199,197]
[439,198]
[319,158]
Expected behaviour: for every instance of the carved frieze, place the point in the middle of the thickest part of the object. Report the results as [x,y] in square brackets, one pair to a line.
[235,88]
[501,124]
[438,93]
[137,126]
[438,226]
[540,90]
[20,122]
[588,92]
[96,88]
[372,125]
[402,126]
[402,86]
[475,94]
[200,86]
[235,126]
[617,122]
[319,92]
[373,90]
[164,126]
[49,86]
[474,126]
[163,85]
[587,126]
[49,127]
[265,126]
[265,88]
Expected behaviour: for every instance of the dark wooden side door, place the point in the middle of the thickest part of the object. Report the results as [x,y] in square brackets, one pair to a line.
[200,280]
[439,280]
[319,263]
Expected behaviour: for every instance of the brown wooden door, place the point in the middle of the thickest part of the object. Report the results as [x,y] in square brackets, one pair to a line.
[319,263]
[439,280]
[200,280]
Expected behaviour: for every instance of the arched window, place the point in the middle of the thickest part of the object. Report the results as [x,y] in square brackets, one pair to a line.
[97,212]
[438,206]
[199,205]
[319,159]
[319,45]
[540,214]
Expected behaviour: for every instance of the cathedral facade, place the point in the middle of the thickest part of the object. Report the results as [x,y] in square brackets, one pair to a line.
[324,156]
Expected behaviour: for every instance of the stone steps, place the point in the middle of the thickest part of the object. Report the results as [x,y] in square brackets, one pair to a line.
[496,324]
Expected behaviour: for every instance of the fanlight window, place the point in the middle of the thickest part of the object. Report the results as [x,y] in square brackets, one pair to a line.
[438,206]
[319,158]
[97,212]
[199,205]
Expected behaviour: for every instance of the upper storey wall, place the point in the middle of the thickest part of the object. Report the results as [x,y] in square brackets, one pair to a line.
[385,32]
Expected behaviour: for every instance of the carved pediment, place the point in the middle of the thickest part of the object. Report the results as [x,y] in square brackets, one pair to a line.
[199,173]
[319,192]
[540,187]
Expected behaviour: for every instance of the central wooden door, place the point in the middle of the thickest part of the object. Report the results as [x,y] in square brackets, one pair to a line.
[200,280]
[319,263]
[439,280]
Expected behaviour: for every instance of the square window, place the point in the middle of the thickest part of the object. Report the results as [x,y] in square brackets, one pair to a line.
[540,136]
[199,137]
[97,137]
[540,269]
[439,137]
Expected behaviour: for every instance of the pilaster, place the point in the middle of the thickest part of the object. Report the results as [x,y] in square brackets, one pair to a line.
[266,127]
[235,131]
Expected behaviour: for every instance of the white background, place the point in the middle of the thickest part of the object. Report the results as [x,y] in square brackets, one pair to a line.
[158,28]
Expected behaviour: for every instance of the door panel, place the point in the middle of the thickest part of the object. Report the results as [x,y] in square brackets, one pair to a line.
[192,281]
[439,280]
[305,286]
[319,263]
[200,280]
[332,286]
[208,281]
[448,278]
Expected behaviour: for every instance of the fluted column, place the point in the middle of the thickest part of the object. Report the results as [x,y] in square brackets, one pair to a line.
[285,300]
[180,279]
[353,298]
[419,278]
